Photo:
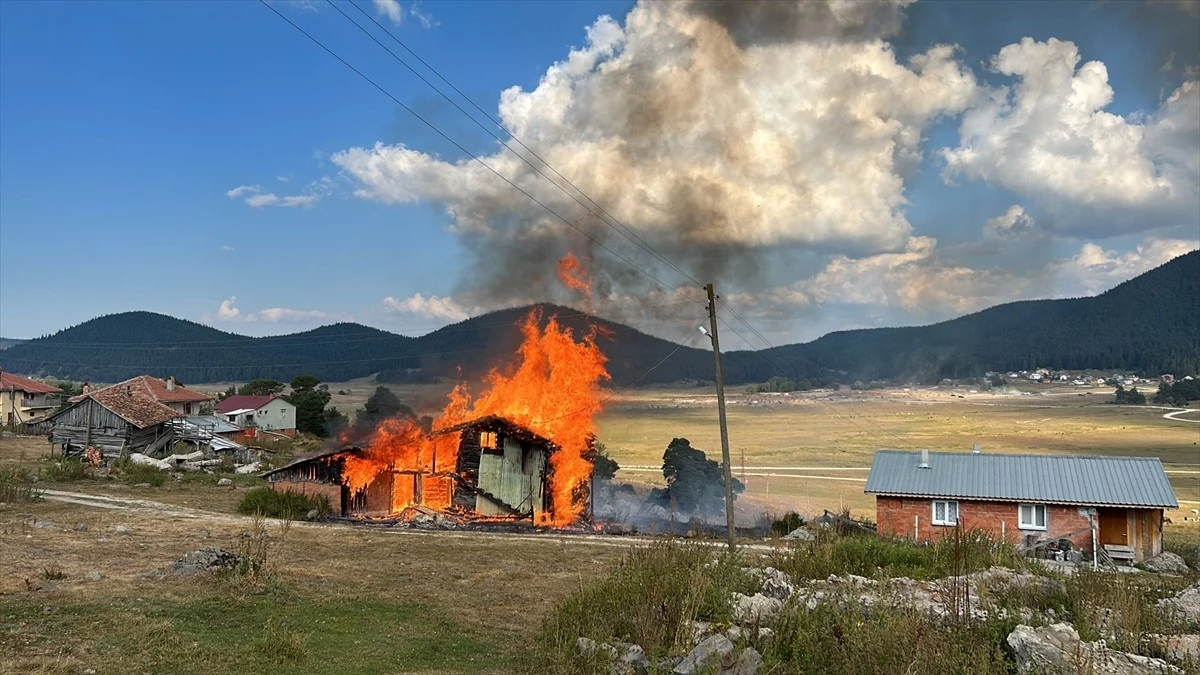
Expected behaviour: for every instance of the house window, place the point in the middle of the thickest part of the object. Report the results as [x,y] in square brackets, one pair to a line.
[945,513]
[1031,516]
[187,408]
[283,411]
[487,439]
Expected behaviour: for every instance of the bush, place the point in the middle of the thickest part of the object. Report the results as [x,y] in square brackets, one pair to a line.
[274,504]
[142,473]
[787,524]
[16,486]
[66,470]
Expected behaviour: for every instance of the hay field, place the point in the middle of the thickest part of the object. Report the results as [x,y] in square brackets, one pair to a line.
[830,437]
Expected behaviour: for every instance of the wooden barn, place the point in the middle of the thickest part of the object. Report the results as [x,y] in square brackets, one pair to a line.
[501,469]
[114,420]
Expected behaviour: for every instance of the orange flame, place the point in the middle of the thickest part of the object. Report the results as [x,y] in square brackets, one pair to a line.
[573,274]
[555,391]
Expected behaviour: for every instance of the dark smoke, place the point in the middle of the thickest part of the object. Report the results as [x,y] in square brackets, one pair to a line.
[767,22]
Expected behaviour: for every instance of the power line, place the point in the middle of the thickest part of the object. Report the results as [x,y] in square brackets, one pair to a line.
[625,231]
[470,154]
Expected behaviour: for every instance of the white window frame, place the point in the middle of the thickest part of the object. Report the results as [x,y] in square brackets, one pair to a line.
[1032,524]
[945,520]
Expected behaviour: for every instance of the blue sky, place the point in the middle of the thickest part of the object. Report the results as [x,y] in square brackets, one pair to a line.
[205,160]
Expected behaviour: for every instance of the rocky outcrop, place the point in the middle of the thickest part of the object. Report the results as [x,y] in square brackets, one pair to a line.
[1167,563]
[209,559]
[1184,607]
[704,657]
[1058,649]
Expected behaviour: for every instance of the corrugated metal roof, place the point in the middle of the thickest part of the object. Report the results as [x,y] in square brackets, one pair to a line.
[1063,479]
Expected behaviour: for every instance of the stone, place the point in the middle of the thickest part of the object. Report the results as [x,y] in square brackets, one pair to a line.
[90,671]
[713,650]
[755,609]
[800,534]
[633,660]
[777,584]
[588,648]
[45,525]
[312,514]
[1185,606]
[252,467]
[7,434]
[700,630]
[1167,563]
[81,527]
[93,576]
[1180,648]
[738,634]
[1058,649]
[141,485]
[139,458]
[748,663]
[223,482]
[207,559]
[121,529]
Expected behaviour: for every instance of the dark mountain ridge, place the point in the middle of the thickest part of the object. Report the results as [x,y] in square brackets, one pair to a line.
[1150,323]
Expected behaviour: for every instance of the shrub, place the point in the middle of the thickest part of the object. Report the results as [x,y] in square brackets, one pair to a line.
[274,504]
[787,524]
[17,486]
[872,556]
[142,473]
[66,470]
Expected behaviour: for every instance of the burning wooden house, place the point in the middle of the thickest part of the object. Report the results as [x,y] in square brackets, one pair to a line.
[487,467]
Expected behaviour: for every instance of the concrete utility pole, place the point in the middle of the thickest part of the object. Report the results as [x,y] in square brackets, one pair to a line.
[725,461]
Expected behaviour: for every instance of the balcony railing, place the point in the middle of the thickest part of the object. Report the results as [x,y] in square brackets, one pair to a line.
[40,402]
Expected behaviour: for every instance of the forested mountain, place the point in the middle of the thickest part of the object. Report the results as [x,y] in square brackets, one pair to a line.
[5,343]
[1150,323]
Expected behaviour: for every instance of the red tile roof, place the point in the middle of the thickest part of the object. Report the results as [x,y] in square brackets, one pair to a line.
[134,404]
[158,389]
[242,403]
[10,382]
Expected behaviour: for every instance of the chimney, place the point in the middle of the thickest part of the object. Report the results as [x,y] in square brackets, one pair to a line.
[87,388]
[924,460]
[170,383]
[975,450]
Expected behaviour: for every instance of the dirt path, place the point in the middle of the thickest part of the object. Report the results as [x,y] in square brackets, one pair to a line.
[1172,415]
[160,509]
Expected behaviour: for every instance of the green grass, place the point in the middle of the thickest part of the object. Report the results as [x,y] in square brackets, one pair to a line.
[142,473]
[66,470]
[274,504]
[16,486]
[210,629]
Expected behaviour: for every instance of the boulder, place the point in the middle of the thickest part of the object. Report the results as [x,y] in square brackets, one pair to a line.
[1167,563]
[632,660]
[121,529]
[1185,606]
[588,648]
[179,459]
[777,584]
[1180,648]
[93,576]
[1058,649]
[139,458]
[252,467]
[716,649]
[204,560]
[799,534]
[755,609]
[748,663]
[225,481]
[738,634]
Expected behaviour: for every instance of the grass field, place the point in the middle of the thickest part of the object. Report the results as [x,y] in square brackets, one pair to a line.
[834,436]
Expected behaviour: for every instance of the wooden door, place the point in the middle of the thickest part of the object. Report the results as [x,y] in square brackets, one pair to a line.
[1114,527]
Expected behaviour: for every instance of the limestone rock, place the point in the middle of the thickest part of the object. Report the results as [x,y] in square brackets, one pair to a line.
[121,529]
[755,609]
[716,649]
[224,482]
[1167,563]
[1058,649]
[777,584]
[1178,647]
[799,534]
[252,467]
[139,458]
[748,663]
[1185,606]
[206,559]
[93,576]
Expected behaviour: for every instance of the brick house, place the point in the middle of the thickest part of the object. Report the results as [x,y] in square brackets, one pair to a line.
[1114,503]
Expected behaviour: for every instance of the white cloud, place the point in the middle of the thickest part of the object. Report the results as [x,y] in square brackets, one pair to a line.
[283,179]
[1014,223]
[1050,137]
[674,127]
[227,248]
[1095,269]
[229,312]
[256,198]
[391,9]
[434,307]
[424,18]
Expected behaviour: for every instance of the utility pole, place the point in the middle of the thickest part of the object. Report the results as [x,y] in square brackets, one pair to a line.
[725,461]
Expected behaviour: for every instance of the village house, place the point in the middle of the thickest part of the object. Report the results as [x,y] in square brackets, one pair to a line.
[167,392]
[23,400]
[253,413]
[500,469]
[116,420]
[1113,505]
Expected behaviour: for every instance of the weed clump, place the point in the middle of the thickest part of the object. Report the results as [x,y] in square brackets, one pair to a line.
[66,470]
[287,504]
[16,485]
[142,473]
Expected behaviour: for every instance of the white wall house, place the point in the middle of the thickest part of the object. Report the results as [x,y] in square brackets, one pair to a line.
[269,413]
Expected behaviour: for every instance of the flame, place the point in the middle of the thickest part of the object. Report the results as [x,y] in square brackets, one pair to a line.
[572,273]
[554,390]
